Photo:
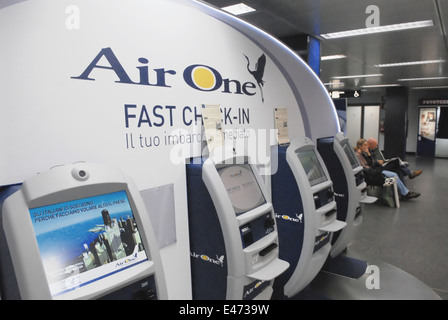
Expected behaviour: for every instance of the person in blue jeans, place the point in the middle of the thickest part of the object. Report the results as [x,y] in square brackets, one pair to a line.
[368,161]
[395,165]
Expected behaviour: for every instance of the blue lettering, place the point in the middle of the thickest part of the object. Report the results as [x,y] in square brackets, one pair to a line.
[161,79]
[123,77]
[197,117]
[155,117]
[160,75]
[197,76]
[144,117]
[249,85]
[144,73]
[171,113]
[162,119]
[127,116]
[227,118]
[187,123]
[114,65]
[227,86]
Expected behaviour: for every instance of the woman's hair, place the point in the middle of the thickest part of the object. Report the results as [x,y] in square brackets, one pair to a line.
[359,144]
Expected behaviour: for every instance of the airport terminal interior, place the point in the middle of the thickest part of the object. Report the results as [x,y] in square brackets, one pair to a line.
[241,169]
[400,241]
[394,235]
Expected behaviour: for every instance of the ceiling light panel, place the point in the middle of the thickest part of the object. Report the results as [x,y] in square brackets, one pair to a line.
[333,57]
[381,85]
[411,63]
[373,30]
[238,9]
[358,76]
[423,79]
[432,87]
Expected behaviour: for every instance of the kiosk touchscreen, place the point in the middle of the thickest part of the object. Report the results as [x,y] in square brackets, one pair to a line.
[81,231]
[233,234]
[303,198]
[349,186]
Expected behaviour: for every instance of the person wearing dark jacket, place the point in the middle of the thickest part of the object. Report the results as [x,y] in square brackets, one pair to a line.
[373,168]
[395,164]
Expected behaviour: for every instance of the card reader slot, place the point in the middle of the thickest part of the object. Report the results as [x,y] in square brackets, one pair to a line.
[268,249]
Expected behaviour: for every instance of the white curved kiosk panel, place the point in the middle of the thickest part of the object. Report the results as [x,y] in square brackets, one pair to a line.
[305,207]
[231,217]
[82,231]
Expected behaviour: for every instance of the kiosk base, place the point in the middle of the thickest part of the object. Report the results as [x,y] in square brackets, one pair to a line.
[394,284]
[345,266]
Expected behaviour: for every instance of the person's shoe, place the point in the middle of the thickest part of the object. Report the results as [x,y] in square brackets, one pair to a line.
[415,174]
[411,195]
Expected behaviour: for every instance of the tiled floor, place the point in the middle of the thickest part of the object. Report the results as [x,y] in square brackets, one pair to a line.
[414,237]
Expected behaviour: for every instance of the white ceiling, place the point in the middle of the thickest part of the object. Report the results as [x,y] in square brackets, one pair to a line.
[284,18]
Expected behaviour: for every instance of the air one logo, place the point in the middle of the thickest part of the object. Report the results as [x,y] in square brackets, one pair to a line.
[127,261]
[298,218]
[236,175]
[197,76]
[218,261]
[250,290]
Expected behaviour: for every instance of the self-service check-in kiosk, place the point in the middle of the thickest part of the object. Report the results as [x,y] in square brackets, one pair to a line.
[233,233]
[349,187]
[303,199]
[81,231]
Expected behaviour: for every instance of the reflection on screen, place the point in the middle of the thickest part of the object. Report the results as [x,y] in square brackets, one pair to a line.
[82,241]
[312,167]
[350,155]
[242,187]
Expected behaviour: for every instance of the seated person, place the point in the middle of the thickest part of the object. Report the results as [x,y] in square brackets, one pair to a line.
[396,164]
[372,168]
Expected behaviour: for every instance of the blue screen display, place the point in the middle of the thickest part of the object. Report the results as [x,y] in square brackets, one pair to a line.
[84,240]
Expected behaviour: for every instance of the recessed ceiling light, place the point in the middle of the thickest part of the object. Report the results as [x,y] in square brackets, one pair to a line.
[372,30]
[358,76]
[425,88]
[380,85]
[335,84]
[238,9]
[411,63]
[421,79]
[334,57]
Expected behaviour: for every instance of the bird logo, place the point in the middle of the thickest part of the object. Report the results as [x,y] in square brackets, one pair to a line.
[258,72]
